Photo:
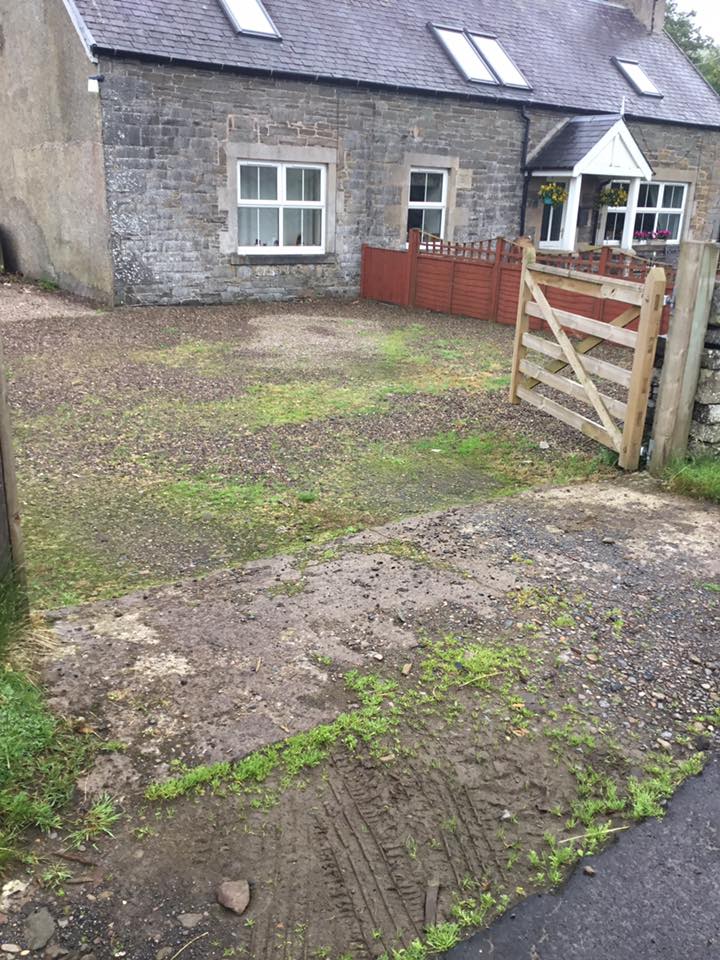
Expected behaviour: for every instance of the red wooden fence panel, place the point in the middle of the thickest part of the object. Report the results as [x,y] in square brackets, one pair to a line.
[385,275]
[482,279]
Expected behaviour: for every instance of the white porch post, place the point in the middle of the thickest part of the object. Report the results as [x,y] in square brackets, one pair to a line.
[571,213]
[632,202]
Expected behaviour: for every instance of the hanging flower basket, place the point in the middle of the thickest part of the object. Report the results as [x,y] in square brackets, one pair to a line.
[553,194]
[613,197]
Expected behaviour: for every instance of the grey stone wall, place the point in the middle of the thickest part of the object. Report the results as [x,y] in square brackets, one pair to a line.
[171,134]
[53,215]
[705,428]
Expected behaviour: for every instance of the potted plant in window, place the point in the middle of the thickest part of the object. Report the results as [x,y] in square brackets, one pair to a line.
[659,237]
[553,194]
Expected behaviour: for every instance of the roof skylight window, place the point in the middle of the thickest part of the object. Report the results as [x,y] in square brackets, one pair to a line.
[501,64]
[250,16]
[465,55]
[637,77]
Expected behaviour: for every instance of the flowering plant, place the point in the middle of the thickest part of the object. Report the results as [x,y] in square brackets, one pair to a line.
[652,235]
[613,197]
[554,193]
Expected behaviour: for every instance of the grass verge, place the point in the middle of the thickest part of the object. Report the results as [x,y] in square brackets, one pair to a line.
[699,478]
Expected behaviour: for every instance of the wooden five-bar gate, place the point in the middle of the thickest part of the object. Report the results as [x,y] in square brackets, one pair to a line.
[620,423]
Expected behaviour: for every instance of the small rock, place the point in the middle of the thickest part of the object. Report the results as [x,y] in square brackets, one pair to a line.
[648,675]
[603,704]
[39,929]
[406,669]
[703,744]
[693,659]
[608,540]
[592,658]
[615,686]
[658,696]
[376,656]
[589,871]
[190,920]
[10,948]
[544,445]
[55,951]
[666,735]
[163,953]
[663,744]
[506,815]
[234,895]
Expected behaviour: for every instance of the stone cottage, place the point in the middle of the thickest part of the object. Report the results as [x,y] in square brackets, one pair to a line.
[165,151]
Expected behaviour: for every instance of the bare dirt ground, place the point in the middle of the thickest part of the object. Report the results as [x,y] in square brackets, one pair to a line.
[535,650]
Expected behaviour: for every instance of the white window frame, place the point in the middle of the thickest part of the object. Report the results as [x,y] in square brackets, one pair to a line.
[657,211]
[637,77]
[282,204]
[560,243]
[602,222]
[240,12]
[431,205]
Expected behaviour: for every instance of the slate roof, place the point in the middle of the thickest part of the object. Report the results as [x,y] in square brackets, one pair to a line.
[563,47]
[573,142]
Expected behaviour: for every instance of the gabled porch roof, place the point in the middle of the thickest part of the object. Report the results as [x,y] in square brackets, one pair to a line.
[592,146]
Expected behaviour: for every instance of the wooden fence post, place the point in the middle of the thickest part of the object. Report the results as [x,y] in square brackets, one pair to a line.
[648,328]
[694,285]
[522,323]
[496,279]
[16,564]
[413,253]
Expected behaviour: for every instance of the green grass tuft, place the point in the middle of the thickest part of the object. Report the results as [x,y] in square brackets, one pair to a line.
[699,478]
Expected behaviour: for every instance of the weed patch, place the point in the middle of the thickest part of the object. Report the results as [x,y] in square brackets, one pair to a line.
[699,478]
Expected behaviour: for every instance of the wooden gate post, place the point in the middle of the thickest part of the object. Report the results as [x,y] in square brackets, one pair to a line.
[653,300]
[15,563]
[522,324]
[694,287]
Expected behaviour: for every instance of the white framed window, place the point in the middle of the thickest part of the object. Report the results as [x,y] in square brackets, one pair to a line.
[660,210]
[634,73]
[553,221]
[465,55]
[250,16]
[427,204]
[612,219]
[500,63]
[281,207]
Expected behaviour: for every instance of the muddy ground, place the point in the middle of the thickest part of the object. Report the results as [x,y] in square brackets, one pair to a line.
[598,608]
[153,444]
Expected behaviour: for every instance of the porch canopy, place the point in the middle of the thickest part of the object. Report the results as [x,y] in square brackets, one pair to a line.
[598,146]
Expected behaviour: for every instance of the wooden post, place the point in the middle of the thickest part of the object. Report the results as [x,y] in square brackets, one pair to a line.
[648,328]
[9,483]
[413,253]
[496,278]
[522,323]
[694,285]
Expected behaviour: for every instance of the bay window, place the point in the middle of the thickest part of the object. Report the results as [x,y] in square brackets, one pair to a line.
[660,211]
[658,214]
[281,206]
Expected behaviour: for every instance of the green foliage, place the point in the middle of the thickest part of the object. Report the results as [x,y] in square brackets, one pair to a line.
[698,478]
[701,49]
[442,937]
[55,878]
[41,760]
[97,822]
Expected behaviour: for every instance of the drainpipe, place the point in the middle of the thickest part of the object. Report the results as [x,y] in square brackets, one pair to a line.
[526,178]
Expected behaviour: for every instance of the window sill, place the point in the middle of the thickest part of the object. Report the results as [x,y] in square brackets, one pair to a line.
[278,259]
